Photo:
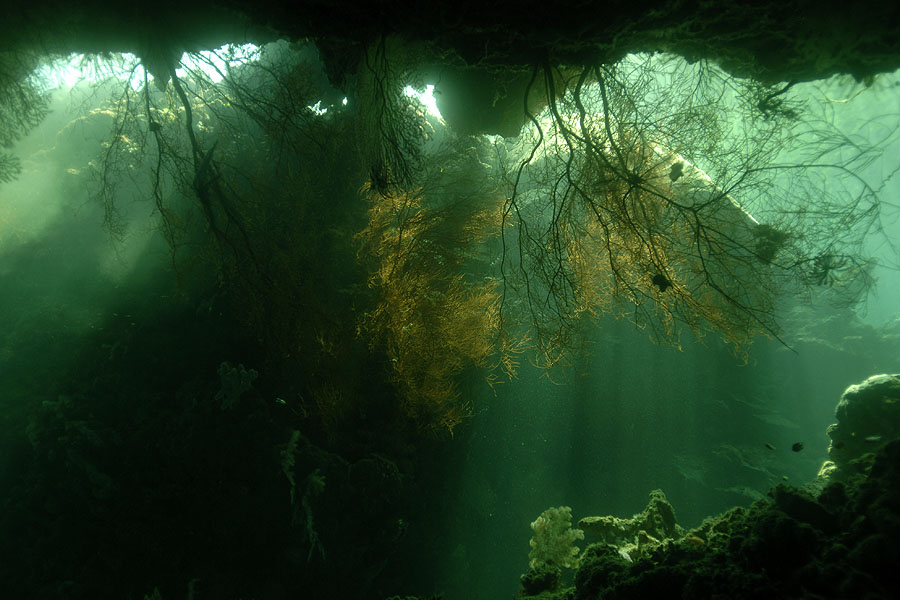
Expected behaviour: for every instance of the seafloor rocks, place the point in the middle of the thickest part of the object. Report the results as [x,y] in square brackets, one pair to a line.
[638,536]
[792,545]
[834,539]
[868,416]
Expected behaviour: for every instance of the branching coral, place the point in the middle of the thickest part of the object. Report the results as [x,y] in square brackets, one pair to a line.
[234,381]
[313,487]
[651,190]
[554,538]
[22,106]
[431,320]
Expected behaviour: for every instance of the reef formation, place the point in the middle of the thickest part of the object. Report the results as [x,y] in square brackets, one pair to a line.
[835,537]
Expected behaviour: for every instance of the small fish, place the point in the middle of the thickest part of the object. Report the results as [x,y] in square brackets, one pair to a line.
[784,477]
[873,439]
[770,446]
[797,447]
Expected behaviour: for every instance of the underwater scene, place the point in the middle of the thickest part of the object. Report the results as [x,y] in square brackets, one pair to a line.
[273,329]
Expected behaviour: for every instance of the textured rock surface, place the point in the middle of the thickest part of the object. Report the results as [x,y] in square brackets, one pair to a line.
[773,41]
[833,539]
[840,544]
[868,416]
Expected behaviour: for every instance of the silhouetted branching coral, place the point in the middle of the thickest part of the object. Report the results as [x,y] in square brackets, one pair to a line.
[23,105]
[393,125]
[653,190]
[664,193]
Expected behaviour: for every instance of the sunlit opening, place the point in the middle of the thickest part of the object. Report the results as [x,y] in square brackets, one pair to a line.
[426,97]
[68,72]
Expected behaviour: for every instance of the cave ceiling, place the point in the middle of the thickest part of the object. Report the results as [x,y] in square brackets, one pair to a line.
[773,41]
[481,42]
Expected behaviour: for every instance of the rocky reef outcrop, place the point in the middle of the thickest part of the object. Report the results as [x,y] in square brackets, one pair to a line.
[835,538]
[868,416]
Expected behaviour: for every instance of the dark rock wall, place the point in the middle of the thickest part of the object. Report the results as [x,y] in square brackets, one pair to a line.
[773,41]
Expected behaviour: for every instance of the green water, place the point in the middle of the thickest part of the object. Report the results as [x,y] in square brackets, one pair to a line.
[145,271]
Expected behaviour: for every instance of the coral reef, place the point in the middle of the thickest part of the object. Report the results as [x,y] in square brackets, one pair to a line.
[834,538]
[540,579]
[431,320]
[553,541]
[868,416]
[235,381]
[638,536]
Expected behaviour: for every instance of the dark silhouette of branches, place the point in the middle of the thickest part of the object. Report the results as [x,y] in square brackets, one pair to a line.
[196,132]
[668,194]
[23,105]
[653,190]
[394,126]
